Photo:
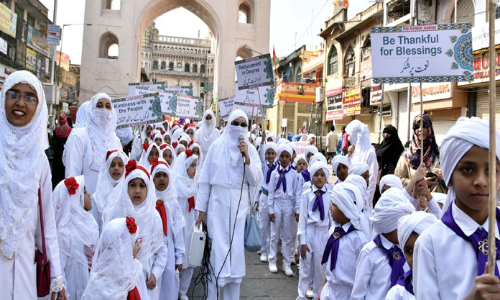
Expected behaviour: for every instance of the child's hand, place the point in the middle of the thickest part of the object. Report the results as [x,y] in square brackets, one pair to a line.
[303,251]
[151,283]
[350,150]
[420,173]
[422,203]
[485,287]
[297,217]
[272,217]
[439,174]
[201,218]
[178,267]
[423,190]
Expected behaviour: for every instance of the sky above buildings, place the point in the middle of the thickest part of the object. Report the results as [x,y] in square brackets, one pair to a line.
[293,23]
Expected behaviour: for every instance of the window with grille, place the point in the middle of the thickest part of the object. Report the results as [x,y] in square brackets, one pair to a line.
[333,61]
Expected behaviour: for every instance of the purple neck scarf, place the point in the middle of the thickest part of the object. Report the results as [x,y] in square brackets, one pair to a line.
[405,281]
[306,175]
[478,240]
[332,246]
[270,169]
[396,260]
[282,178]
[318,203]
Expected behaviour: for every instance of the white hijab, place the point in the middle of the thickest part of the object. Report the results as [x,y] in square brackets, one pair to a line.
[114,271]
[82,115]
[359,136]
[145,214]
[184,185]
[224,164]
[165,147]
[77,231]
[105,183]
[21,158]
[144,158]
[101,127]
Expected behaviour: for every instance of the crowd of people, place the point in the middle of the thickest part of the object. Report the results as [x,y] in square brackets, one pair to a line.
[396,223]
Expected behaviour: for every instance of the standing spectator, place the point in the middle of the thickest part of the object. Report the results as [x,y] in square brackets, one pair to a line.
[61,133]
[389,151]
[345,141]
[332,140]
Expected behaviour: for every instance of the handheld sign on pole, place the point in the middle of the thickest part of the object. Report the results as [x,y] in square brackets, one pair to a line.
[254,72]
[188,107]
[137,110]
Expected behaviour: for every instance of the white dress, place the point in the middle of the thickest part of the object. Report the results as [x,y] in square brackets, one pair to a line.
[18,276]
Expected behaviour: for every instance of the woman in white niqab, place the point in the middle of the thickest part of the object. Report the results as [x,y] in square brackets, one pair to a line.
[77,234]
[207,133]
[86,148]
[359,136]
[221,185]
[153,253]
[24,175]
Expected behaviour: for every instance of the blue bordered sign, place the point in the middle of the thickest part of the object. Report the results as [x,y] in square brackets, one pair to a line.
[430,53]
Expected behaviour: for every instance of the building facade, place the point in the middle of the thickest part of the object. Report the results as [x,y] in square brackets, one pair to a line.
[179,61]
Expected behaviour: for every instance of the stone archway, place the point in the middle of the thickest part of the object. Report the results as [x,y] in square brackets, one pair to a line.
[129,23]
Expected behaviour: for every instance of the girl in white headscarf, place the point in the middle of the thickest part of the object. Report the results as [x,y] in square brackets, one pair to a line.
[173,223]
[135,197]
[168,154]
[185,185]
[221,185]
[151,151]
[179,148]
[142,137]
[363,151]
[77,233]
[24,177]
[111,174]
[86,148]
[115,269]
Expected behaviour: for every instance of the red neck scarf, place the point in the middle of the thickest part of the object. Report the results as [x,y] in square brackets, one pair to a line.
[134,294]
[191,203]
[163,214]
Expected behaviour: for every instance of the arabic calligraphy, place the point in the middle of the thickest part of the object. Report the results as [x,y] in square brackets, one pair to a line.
[412,70]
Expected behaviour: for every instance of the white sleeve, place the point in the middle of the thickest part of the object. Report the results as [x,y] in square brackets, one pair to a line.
[301,230]
[372,162]
[364,269]
[424,270]
[180,248]
[394,294]
[434,208]
[136,149]
[49,222]
[74,151]
[160,261]
[253,172]
[202,197]
[272,189]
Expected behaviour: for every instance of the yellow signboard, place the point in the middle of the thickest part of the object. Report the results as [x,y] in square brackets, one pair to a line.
[8,20]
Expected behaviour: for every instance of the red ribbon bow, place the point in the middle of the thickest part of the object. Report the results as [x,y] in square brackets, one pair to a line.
[174,144]
[71,184]
[191,203]
[145,146]
[190,143]
[163,214]
[162,132]
[155,162]
[131,165]
[163,146]
[189,153]
[132,227]
[109,153]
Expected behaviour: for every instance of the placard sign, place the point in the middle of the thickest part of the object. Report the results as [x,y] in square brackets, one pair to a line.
[187,106]
[226,106]
[167,105]
[249,97]
[177,89]
[254,72]
[335,108]
[430,53]
[137,110]
[146,85]
[267,94]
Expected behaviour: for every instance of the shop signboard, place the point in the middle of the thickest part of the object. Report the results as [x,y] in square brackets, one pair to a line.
[352,101]
[8,20]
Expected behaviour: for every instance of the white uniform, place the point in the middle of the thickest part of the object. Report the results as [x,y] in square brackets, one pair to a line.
[282,205]
[313,232]
[265,224]
[439,273]
[18,276]
[398,292]
[340,281]
[373,272]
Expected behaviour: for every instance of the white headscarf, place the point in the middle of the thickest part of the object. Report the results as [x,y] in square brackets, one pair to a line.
[114,271]
[461,137]
[339,159]
[310,136]
[82,115]
[390,180]
[224,164]
[101,126]
[177,146]
[77,230]
[125,135]
[21,158]
[169,198]
[165,147]
[310,149]
[320,165]
[105,183]
[145,214]
[415,222]
[347,197]
[167,133]
[358,168]
[391,206]
[144,158]
[184,185]
[193,145]
[359,136]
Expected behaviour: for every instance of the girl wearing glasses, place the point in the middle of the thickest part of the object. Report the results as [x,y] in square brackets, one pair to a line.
[24,181]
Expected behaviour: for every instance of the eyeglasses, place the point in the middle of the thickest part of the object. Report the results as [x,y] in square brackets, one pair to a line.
[417,126]
[234,123]
[16,96]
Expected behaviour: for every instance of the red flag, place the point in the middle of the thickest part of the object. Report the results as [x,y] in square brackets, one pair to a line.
[274,55]
[346,4]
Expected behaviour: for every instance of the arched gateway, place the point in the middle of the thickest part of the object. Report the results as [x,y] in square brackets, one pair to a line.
[125,27]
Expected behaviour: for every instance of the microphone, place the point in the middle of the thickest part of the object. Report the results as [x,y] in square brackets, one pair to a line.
[240,139]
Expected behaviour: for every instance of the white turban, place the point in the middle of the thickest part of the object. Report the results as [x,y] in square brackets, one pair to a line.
[270,146]
[311,136]
[297,158]
[316,157]
[439,197]
[466,133]
[358,168]
[358,181]
[283,141]
[348,198]
[416,222]
[391,206]
[310,149]
[319,165]
[284,147]
[271,136]
[390,180]
[339,159]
